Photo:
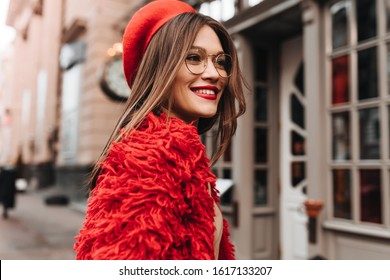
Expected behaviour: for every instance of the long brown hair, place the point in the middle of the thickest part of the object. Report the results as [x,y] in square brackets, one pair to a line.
[155,76]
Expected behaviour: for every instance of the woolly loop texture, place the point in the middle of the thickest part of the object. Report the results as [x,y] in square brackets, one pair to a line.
[151,200]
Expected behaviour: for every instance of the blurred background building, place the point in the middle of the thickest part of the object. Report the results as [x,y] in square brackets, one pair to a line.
[316,131]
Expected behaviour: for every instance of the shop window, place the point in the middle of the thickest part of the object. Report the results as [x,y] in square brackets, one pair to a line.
[341,136]
[369,135]
[340,80]
[342,203]
[340,27]
[358,111]
[370,196]
[366,19]
[368,76]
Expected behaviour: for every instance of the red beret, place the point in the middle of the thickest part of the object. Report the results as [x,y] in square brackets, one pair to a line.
[141,28]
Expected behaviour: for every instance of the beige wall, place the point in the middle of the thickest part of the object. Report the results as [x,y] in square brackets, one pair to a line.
[36,52]
[98,114]
[39,53]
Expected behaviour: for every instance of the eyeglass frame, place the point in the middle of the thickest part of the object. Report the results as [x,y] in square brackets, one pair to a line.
[206,61]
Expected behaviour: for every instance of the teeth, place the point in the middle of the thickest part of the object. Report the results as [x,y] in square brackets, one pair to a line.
[205,91]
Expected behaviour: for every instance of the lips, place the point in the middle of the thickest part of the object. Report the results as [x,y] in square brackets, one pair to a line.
[206,92]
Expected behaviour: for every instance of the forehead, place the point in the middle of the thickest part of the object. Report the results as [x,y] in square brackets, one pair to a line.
[208,40]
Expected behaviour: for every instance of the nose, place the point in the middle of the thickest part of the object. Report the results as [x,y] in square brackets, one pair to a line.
[210,72]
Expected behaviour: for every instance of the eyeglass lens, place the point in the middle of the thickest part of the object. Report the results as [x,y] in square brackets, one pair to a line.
[197,60]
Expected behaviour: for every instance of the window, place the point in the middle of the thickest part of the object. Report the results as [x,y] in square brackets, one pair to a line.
[359,111]
[261,133]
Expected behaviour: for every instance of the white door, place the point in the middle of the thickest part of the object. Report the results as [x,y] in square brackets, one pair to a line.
[293,160]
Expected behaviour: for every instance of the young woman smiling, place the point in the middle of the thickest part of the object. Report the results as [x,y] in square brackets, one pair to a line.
[153,194]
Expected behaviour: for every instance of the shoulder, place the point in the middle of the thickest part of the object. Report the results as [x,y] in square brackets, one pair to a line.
[157,140]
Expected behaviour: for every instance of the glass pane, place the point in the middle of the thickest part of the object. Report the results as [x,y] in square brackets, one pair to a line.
[260,190]
[366,17]
[297,144]
[369,134]
[298,172]
[370,196]
[261,108]
[298,80]
[339,24]
[341,136]
[340,80]
[387,3]
[261,65]
[260,145]
[297,111]
[368,76]
[342,205]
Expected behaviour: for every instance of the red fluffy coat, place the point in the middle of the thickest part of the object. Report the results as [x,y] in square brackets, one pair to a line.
[151,199]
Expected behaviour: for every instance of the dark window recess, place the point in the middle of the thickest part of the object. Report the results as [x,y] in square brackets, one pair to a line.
[261,104]
[298,80]
[260,188]
[227,174]
[387,3]
[342,206]
[261,145]
[298,172]
[366,17]
[261,65]
[297,144]
[370,196]
[297,111]
[368,74]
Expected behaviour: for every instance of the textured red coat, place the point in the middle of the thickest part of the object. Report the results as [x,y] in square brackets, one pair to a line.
[151,200]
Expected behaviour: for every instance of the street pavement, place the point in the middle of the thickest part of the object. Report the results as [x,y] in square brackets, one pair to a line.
[36,231]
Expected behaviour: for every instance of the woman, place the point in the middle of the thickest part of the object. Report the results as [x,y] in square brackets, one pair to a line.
[153,194]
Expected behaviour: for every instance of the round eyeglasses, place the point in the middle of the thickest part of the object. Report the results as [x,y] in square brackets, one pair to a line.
[197,59]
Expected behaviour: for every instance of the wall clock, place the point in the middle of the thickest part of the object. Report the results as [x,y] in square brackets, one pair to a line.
[112,79]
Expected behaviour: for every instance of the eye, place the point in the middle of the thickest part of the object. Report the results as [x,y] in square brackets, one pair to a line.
[193,58]
[222,61]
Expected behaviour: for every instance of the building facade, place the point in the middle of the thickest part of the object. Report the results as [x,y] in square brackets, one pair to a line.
[316,131]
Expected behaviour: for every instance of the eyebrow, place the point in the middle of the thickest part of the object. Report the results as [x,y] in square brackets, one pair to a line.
[203,49]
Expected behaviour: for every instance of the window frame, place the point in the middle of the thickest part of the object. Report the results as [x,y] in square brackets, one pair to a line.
[382,102]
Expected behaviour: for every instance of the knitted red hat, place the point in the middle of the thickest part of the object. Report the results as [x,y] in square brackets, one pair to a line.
[141,28]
